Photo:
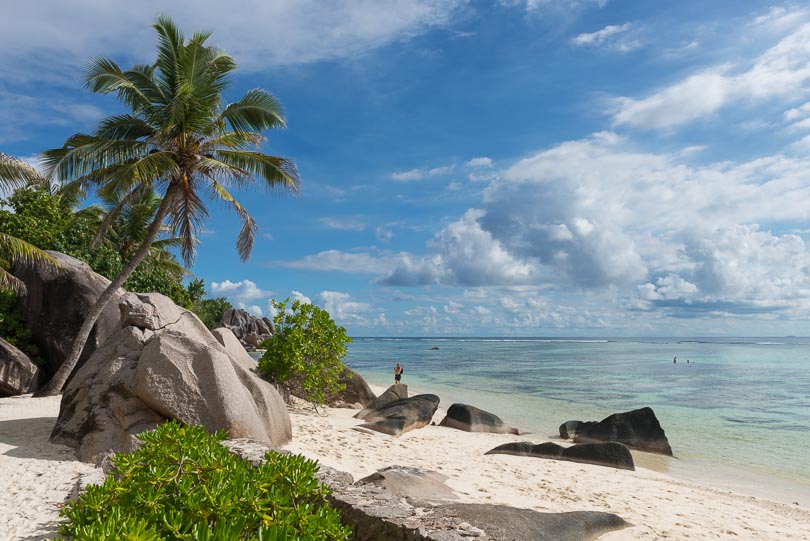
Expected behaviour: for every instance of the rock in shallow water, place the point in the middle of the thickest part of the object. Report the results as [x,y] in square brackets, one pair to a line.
[638,429]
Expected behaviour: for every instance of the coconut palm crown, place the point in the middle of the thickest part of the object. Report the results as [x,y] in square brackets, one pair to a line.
[180,140]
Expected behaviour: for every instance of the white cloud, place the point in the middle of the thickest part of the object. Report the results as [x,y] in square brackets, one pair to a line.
[336,260]
[278,32]
[607,36]
[781,71]
[596,215]
[242,292]
[421,174]
[298,296]
[476,163]
[255,310]
[19,113]
[408,176]
[344,310]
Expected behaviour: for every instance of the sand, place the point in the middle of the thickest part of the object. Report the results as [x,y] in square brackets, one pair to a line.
[35,476]
[658,506]
[38,476]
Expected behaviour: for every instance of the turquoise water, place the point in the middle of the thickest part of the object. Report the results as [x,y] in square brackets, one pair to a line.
[737,415]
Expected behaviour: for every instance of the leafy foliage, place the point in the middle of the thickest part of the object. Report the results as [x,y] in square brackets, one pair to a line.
[306,352]
[13,329]
[45,218]
[210,311]
[183,485]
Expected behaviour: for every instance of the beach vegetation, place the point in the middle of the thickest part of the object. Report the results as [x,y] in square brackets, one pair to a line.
[305,355]
[183,484]
[210,311]
[13,329]
[15,173]
[180,140]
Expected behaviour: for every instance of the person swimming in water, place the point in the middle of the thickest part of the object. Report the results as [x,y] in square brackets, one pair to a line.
[675,360]
[398,373]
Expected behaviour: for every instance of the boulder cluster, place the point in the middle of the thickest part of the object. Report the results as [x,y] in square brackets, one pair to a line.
[249,329]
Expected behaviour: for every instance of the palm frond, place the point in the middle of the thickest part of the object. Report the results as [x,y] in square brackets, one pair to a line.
[15,172]
[258,110]
[122,127]
[273,170]
[244,242]
[17,250]
[186,218]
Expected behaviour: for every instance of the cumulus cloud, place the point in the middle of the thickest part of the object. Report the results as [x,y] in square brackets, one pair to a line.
[781,71]
[596,215]
[476,163]
[344,310]
[241,292]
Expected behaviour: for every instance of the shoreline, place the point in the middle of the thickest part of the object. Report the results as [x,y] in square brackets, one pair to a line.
[745,482]
[40,476]
[657,504]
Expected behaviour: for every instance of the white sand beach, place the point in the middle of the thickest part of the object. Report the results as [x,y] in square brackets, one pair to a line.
[35,476]
[38,476]
[659,506]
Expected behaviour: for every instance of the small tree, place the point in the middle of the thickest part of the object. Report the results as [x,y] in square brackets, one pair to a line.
[305,354]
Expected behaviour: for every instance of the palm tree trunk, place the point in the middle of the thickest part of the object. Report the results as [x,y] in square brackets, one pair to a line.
[54,386]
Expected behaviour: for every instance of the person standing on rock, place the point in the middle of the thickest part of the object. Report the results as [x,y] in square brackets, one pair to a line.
[398,373]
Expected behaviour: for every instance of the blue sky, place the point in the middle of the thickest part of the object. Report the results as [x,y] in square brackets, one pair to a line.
[535,168]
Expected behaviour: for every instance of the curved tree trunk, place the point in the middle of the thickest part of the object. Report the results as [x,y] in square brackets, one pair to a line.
[54,386]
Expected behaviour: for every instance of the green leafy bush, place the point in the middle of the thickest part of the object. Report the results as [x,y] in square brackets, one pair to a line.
[183,485]
[13,329]
[306,351]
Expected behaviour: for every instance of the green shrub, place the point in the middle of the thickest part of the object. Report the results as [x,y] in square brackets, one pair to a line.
[183,485]
[306,351]
[13,329]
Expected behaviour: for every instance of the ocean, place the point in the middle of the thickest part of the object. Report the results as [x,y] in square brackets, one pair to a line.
[736,411]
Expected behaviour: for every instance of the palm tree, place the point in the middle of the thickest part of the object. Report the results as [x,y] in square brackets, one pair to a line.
[124,224]
[180,140]
[15,173]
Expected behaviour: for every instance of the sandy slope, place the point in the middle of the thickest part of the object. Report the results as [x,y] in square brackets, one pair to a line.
[659,507]
[35,476]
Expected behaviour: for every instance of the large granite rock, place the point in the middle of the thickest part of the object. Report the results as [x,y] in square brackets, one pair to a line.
[403,415]
[391,394]
[355,391]
[570,429]
[472,419]
[18,374]
[164,364]
[55,305]
[376,513]
[610,454]
[234,348]
[249,329]
[638,429]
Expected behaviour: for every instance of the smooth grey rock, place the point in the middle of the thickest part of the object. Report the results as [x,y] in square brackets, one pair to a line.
[55,305]
[18,374]
[472,419]
[411,483]
[403,415]
[610,454]
[570,429]
[376,513]
[355,391]
[391,394]
[234,348]
[638,429]
[178,370]
[503,522]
